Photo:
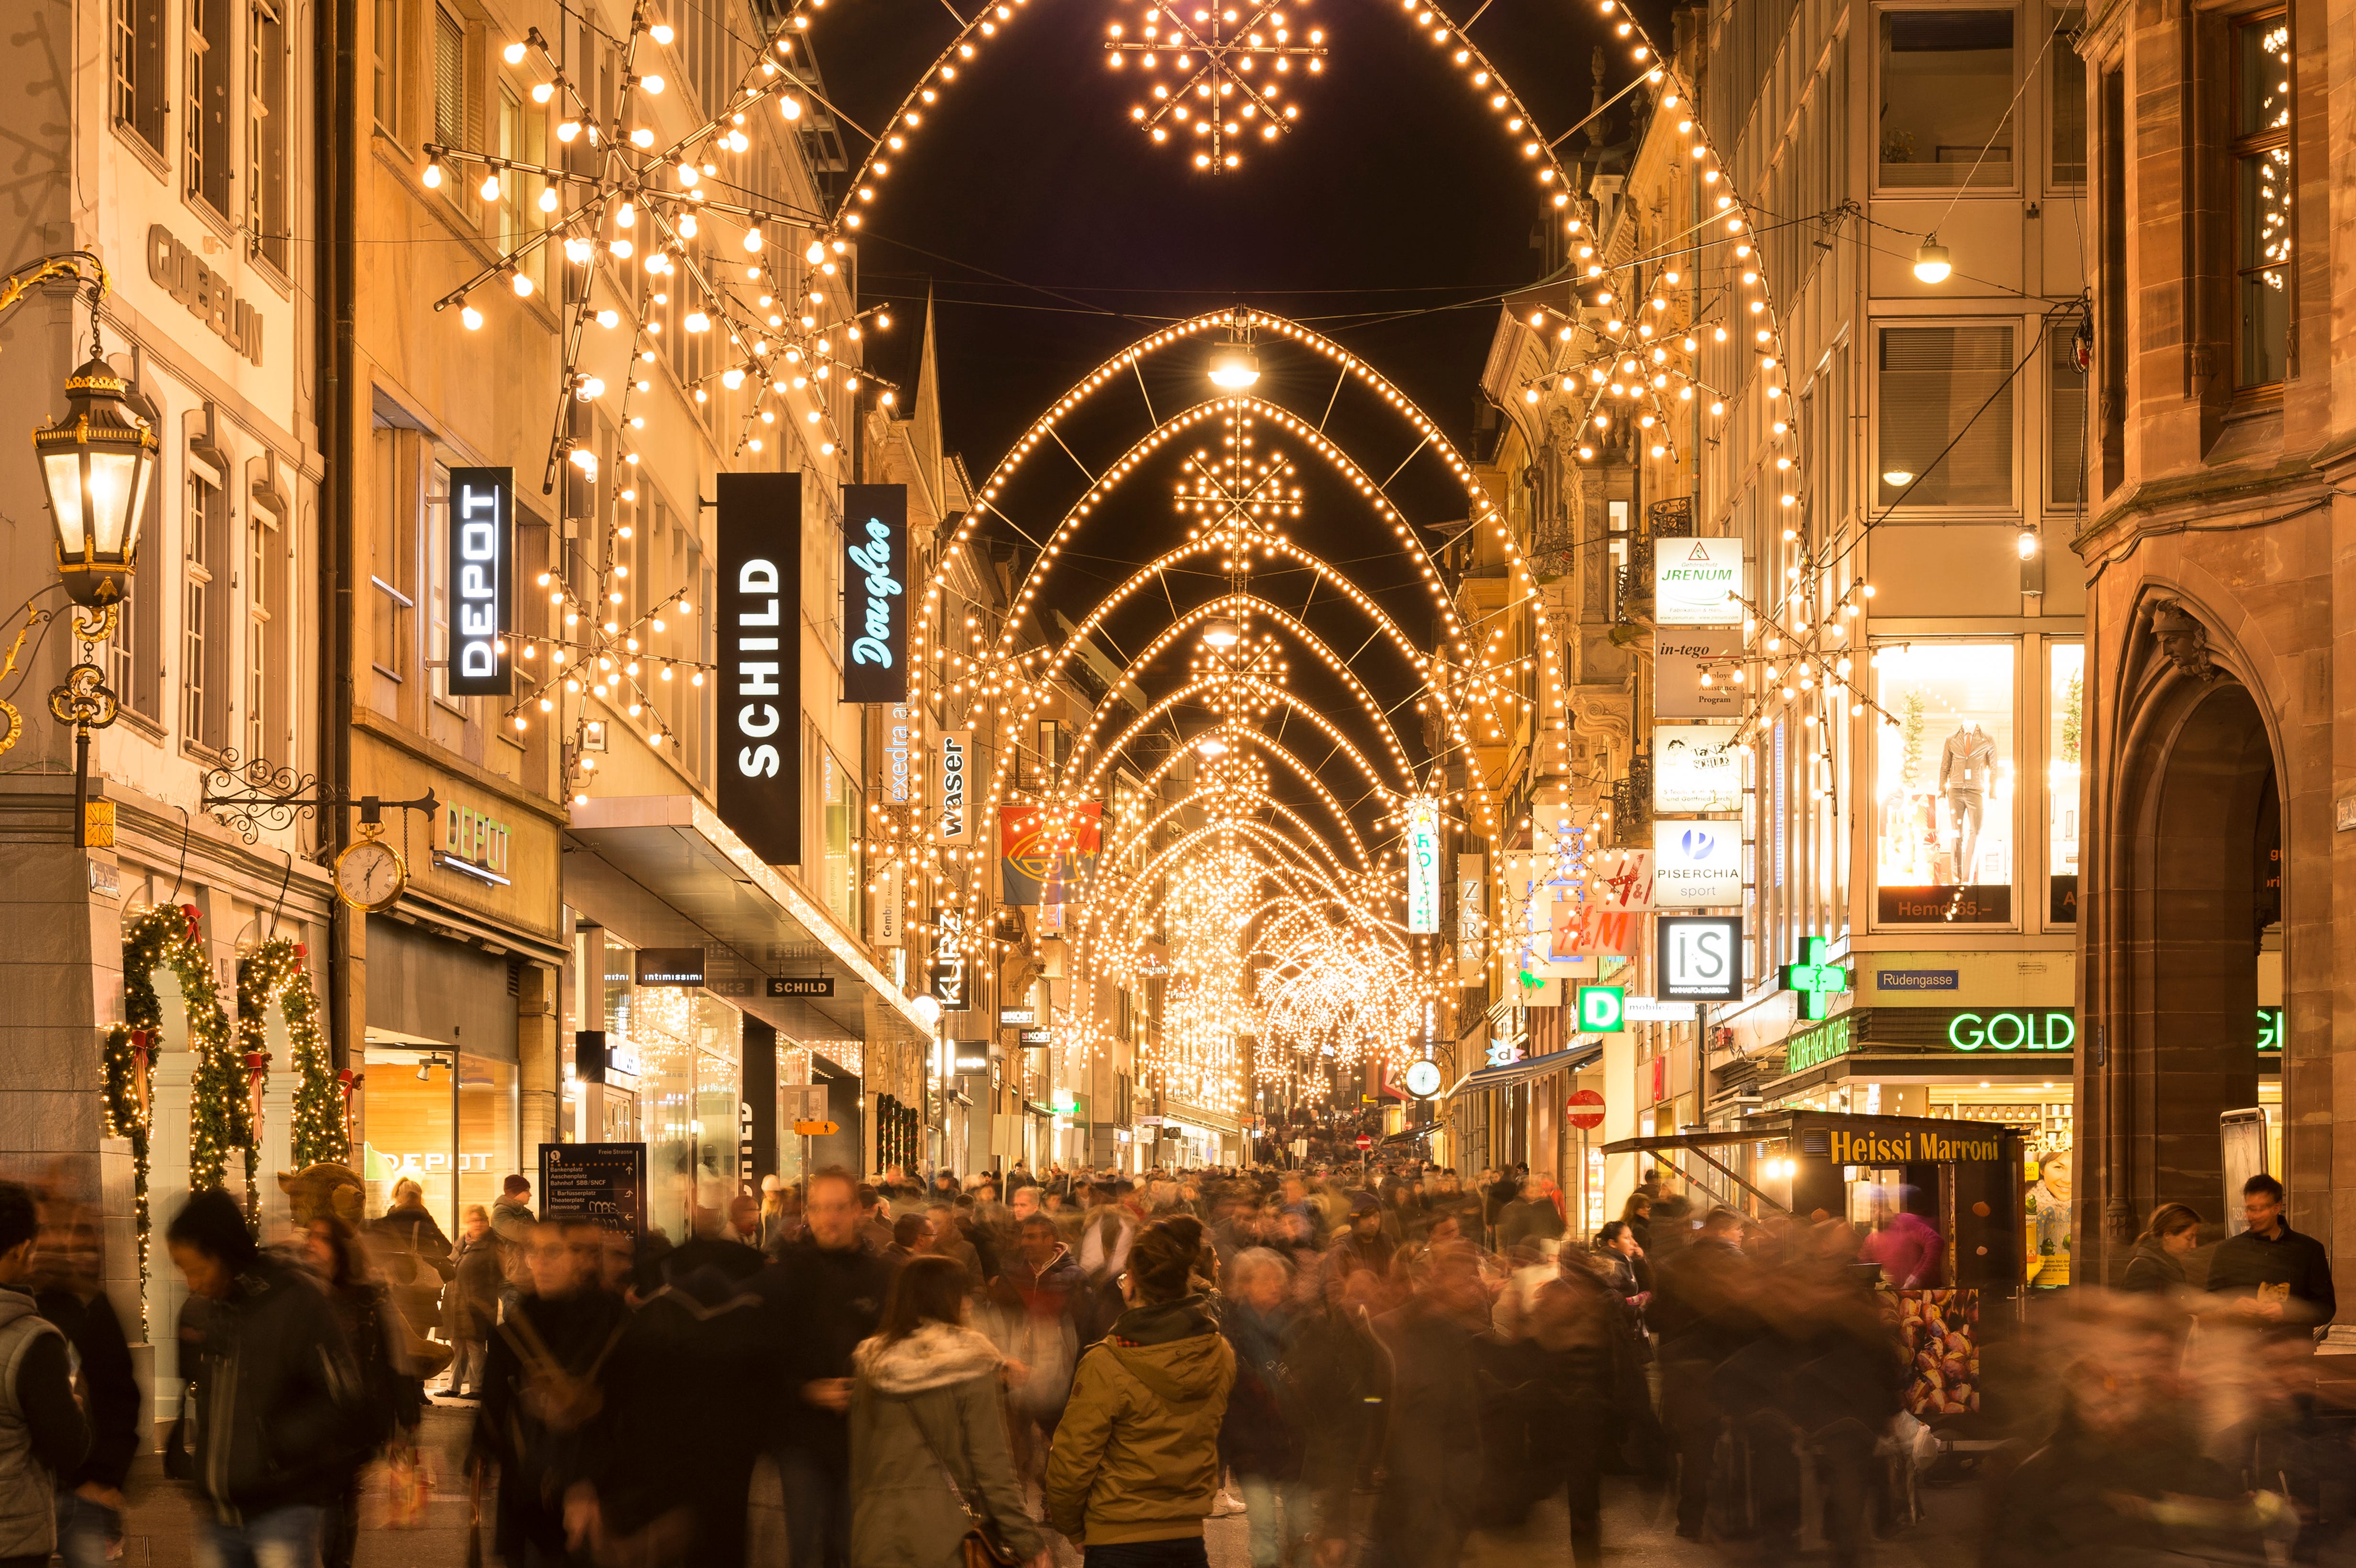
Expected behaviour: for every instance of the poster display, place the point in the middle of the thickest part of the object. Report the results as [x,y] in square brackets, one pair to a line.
[1944,782]
[1696,769]
[604,1182]
[1682,655]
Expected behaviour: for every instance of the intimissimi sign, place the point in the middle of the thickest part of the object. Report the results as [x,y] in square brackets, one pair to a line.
[759,631]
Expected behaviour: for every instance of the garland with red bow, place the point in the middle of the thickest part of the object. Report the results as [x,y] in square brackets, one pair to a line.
[277,972]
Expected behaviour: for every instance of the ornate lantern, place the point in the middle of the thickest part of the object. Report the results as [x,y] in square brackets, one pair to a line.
[96,462]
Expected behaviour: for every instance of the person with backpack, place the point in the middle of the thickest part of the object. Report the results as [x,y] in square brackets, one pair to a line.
[279,1417]
[929,1461]
[543,1417]
[1135,1464]
[42,1432]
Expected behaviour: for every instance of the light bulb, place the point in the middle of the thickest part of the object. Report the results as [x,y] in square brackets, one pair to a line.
[1932,262]
[434,176]
[513,54]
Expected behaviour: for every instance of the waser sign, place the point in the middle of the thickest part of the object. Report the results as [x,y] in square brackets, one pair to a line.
[1695,768]
[1697,865]
[1694,581]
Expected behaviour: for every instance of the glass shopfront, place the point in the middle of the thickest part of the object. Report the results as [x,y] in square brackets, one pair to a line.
[445,1119]
[2065,723]
[1944,851]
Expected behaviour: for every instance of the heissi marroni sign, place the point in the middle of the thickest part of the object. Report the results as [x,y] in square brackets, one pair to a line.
[1910,1146]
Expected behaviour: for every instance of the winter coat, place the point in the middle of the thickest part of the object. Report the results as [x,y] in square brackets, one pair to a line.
[2292,1267]
[2153,1270]
[822,1302]
[109,1386]
[279,1416]
[42,1434]
[1261,1434]
[546,1420]
[511,1223]
[1136,1457]
[925,1419]
[471,1306]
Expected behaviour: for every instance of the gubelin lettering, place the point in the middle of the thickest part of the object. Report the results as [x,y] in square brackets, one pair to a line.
[874,559]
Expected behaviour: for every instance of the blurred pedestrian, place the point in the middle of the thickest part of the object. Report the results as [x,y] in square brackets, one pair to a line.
[72,1296]
[928,1454]
[1135,1464]
[1433,1457]
[2157,1264]
[388,1401]
[511,1223]
[781,1213]
[470,1307]
[1702,1308]
[1261,1439]
[279,1423]
[44,1437]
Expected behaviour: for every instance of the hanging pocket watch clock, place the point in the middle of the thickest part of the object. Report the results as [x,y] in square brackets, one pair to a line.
[369,875]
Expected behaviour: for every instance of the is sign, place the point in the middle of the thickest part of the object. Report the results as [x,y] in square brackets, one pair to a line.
[1695,768]
[1697,865]
[874,593]
[1695,581]
[1700,957]
[759,627]
[481,546]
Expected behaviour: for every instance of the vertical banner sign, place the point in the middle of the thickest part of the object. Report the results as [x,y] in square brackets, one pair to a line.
[482,591]
[874,593]
[759,632]
[1042,865]
[1423,866]
[1472,914]
[889,908]
[955,823]
[900,758]
[947,978]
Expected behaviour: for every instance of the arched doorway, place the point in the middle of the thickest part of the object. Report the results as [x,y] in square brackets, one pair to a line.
[2193,889]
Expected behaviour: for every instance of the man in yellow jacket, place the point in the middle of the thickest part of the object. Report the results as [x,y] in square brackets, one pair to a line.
[1136,1458]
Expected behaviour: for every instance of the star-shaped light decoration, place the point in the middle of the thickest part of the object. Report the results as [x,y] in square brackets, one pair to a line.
[1225,65]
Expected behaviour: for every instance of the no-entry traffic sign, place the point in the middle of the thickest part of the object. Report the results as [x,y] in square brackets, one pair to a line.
[1584,1109]
[1364,1141]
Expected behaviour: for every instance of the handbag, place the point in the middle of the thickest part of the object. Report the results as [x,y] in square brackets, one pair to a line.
[180,1461]
[979,1550]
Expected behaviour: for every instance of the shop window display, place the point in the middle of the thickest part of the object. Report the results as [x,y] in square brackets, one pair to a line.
[2065,733]
[1943,841]
[407,1127]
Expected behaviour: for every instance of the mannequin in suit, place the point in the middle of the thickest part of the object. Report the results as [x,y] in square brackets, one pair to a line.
[1967,774]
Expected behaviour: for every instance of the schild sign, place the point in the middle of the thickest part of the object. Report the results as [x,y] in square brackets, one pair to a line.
[1697,865]
[1695,581]
[1695,768]
[758,623]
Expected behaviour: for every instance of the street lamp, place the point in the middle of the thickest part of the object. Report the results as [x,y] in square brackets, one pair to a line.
[1931,262]
[1234,365]
[96,462]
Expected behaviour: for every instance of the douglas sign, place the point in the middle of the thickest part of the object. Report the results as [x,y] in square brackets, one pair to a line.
[874,596]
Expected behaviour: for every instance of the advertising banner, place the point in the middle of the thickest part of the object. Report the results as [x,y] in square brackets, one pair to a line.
[1422,866]
[1695,583]
[1694,769]
[1681,657]
[876,593]
[952,797]
[1697,865]
[1045,862]
[758,621]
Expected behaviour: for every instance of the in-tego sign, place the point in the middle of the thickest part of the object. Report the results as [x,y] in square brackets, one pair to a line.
[1422,866]
[1695,581]
[759,627]
[482,595]
[1700,957]
[1695,768]
[1697,865]
[874,593]
[956,822]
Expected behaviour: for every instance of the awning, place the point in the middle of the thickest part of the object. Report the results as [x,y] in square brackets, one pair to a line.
[1570,1060]
[684,879]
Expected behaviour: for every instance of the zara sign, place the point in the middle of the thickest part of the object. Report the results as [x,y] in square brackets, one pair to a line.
[481,548]
[874,593]
[759,628]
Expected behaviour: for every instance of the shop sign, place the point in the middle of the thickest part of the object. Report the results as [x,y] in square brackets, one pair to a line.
[1917,980]
[1695,768]
[948,975]
[1590,931]
[2050,1031]
[1046,855]
[1700,957]
[1977,903]
[669,965]
[2270,1029]
[589,1056]
[1697,583]
[1621,879]
[476,844]
[1815,1046]
[1009,1016]
[759,626]
[1681,657]
[1697,865]
[799,986]
[1471,913]
[1813,982]
[1652,1010]
[1422,866]
[970,1058]
[900,732]
[890,909]
[174,268]
[1504,1052]
[604,1182]
[481,544]
[1868,1145]
[874,593]
[1035,1039]
[957,814]
[1602,1009]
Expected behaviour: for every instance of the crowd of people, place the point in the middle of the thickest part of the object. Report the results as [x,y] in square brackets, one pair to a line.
[1400,1372]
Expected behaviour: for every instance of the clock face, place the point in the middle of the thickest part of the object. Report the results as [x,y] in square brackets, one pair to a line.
[1423,1079]
[369,876]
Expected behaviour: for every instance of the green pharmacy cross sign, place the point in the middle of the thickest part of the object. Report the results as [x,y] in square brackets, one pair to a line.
[1815,980]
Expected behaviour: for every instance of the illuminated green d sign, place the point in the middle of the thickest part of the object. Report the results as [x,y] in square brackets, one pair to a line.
[1602,1009]
[2013,1031]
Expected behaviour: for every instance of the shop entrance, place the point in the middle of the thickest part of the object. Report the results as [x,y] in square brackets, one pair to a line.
[2194,844]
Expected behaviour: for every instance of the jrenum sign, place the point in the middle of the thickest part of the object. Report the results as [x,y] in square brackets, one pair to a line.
[1697,583]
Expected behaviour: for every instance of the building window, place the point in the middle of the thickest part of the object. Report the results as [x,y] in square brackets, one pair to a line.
[209,175]
[204,610]
[392,568]
[391,76]
[1944,785]
[135,655]
[2067,104]
[266,670]
[523,137]
[139,69]
[449,79]
[266,126]
[2065,720]
[2262,199]
[1947,94]
[2065,417]
[436,535]
[1945,415]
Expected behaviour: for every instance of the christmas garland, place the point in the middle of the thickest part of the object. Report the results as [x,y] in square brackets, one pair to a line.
[277,972]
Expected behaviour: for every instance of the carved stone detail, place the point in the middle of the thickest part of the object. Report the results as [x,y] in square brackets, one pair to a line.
[2182,639]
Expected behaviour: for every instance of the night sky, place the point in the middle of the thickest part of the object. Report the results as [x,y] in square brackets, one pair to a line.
[1052,233]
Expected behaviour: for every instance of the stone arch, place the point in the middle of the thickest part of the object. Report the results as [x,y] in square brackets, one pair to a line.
[2194,829]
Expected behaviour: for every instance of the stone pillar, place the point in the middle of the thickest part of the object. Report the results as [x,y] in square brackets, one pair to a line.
[540,1069]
